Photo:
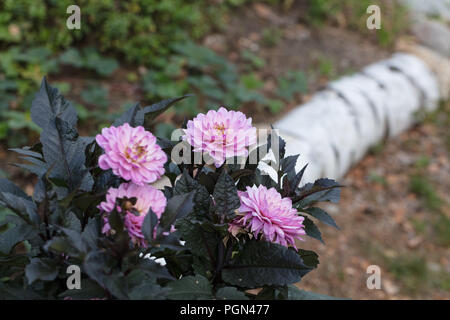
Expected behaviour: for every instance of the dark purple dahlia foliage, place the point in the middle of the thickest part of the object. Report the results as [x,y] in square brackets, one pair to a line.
[127,215]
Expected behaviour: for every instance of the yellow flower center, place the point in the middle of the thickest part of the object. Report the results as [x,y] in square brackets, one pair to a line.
[220,128]
[135,153]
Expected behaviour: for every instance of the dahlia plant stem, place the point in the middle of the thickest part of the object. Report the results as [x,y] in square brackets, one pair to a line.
[191,169]
[63,152]
[220,256]
[229,251]
[25,218]
[224,253]
[43,213]
[199,169]
[211,257]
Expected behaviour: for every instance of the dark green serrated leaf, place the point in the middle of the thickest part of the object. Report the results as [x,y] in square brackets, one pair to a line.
[149,113]
[35,169]
[40,191]
[261,178]
[190,288]
[295,293]
[169,241]
[297,178]
[225,196]
[185,184]
[61,245]
[321,190]
[154,270]
[288,164]
[41,269]
[201,241]
[321,215]
[86,240]
[202,202]
[48,103]
[115,220]
[148,291]
[26,151]
[18,293]
[262,263]
[149,225]
[8,186]
[97,265]
[12,263]
[105,180]
[71,221]
[15,235]
[310,258]
[230,293]
[278,151]
[267,293]
[130,117]
[312,230]
[74,240]
[238,174]
[20,206]
[64,153]
[177,207]
[90,233]
[116,286]
[89,290]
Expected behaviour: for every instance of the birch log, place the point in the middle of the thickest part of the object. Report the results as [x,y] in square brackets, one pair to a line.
[335,129]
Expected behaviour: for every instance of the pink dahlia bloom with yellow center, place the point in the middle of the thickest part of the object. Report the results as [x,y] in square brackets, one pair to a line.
[222,134]
[147,198]
[131,153]
[264,212]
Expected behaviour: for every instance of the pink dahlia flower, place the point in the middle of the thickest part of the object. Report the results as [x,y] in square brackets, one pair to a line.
[147,198]
[131,153]
[222,134]
[264,212]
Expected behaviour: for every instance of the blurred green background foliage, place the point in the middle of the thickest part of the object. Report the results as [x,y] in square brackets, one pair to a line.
[152,44]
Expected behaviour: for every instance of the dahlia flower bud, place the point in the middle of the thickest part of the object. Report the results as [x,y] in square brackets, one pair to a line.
[131,153]
[263,212]
[147,198]
[222,134]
